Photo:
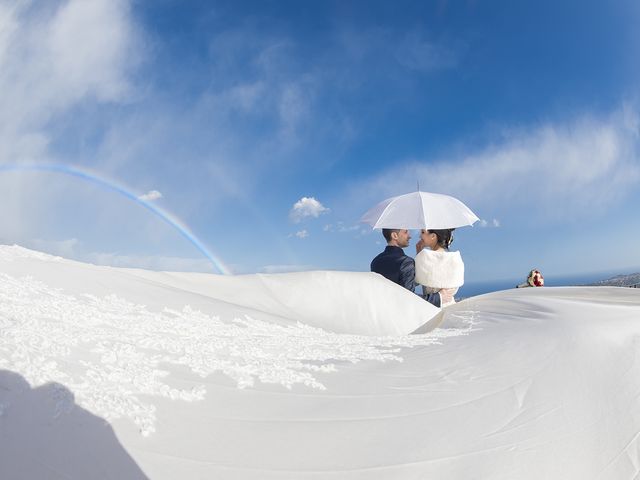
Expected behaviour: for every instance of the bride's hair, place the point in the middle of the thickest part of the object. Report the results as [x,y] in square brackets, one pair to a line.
[445,237]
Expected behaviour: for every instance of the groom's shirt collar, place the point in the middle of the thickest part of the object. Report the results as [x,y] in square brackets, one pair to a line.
[392,249]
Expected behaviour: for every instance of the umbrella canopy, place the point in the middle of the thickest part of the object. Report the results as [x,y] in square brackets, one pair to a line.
[431,211]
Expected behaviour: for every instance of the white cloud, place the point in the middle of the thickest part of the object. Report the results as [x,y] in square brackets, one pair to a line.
[393,48]
[56,58]
[62,248]
[150,262]
[555,171]
[340,227]
[151,196]
[484,223]
[294,110]
[302,234]
[89,48]
[273,87]
[345,229]
[52,57]
[286,268]
[72,249]
[307,207]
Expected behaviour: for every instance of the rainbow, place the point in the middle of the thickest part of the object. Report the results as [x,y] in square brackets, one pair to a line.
[113,186]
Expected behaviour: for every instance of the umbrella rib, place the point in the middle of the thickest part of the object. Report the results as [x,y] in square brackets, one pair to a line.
[381,217]
[424,216]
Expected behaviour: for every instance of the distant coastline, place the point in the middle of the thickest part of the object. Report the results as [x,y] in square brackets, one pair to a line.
[631,280]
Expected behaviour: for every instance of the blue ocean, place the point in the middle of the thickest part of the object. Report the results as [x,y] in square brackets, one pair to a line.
[472,289]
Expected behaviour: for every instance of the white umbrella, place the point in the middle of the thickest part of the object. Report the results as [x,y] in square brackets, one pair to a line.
[431,211]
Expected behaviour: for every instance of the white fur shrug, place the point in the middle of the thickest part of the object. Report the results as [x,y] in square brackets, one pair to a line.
[439,269]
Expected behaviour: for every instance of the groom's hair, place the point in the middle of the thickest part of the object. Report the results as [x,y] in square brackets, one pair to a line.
[386,233]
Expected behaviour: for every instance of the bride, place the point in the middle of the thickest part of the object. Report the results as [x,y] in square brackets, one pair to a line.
[439,271]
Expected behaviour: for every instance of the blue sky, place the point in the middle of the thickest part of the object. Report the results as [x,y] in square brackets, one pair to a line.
[237,111]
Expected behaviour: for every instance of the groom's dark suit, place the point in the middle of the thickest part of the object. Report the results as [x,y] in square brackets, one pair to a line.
[396,266]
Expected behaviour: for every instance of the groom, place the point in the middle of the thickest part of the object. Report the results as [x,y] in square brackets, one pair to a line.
[393,263]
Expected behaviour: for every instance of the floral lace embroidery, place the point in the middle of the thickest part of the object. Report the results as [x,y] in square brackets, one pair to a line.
[125,349]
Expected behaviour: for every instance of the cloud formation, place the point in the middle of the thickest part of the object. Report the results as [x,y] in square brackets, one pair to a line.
[307,207]
[340,227]
[485,223]
[72,248]
[553,172]
[52,57]
[151,195]
[55,58]
[63,248]
[287,268]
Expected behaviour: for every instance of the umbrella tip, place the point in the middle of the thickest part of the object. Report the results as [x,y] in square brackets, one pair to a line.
[418,184]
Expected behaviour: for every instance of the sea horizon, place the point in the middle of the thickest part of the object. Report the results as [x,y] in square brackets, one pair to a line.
[472,289]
